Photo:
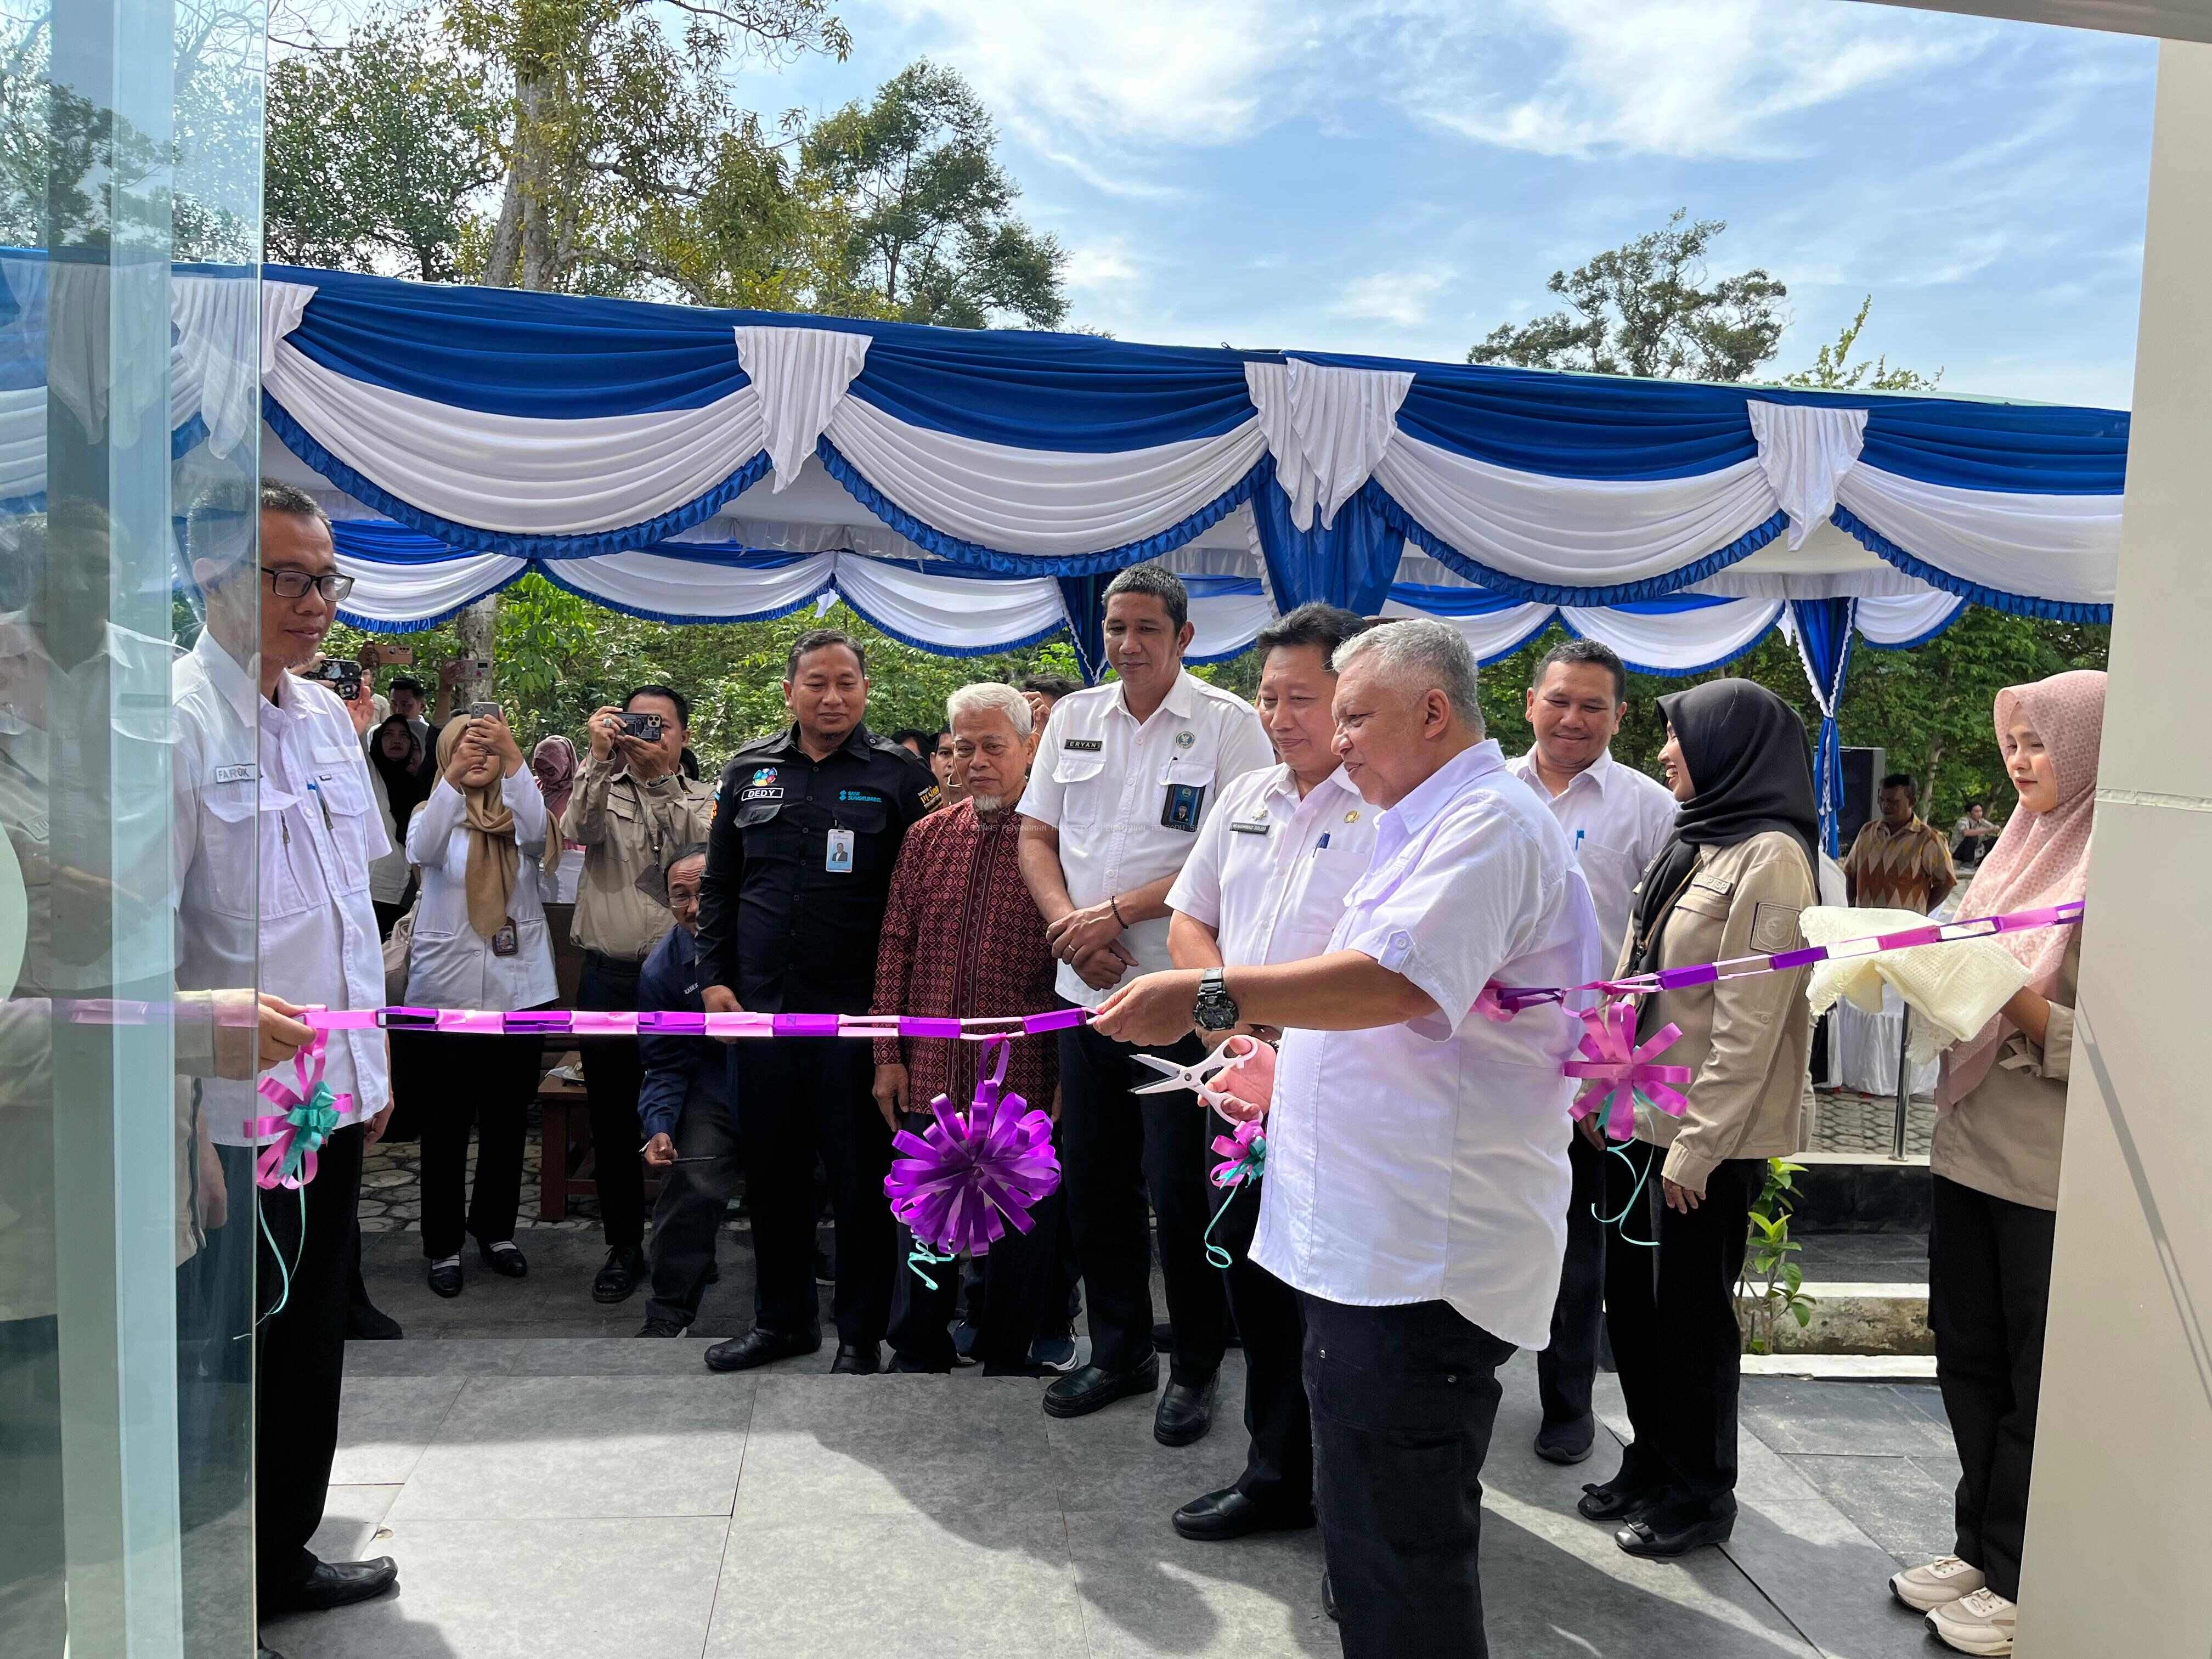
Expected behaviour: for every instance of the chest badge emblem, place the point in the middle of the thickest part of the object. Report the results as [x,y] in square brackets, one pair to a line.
[1352,818]
[1184,739]
[766,774]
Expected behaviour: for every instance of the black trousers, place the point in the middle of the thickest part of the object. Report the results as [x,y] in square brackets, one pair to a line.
[1672,1314]
[1120,1147]
[487,1082]
[695,1200]
[612,1074]
[799,1098]
[1020,1283]
[1565,1370]
[1988,1287]
[34,1553]
[1278,1466]
[301,1349]
[1404,1399]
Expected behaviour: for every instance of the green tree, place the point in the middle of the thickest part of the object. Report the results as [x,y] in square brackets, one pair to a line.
[1650,308]
[378,151]
[1833,369]
[929,225]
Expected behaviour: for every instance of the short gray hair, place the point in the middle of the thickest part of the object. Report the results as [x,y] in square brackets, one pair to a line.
[1422,652]
[983,698]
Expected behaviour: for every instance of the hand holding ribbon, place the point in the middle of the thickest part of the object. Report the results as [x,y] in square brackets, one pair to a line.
[311,1115]
[1619,1070]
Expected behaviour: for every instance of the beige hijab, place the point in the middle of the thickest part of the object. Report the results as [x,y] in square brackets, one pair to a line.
[494,857]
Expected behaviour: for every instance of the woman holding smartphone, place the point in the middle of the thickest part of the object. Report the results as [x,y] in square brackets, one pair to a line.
[480,942]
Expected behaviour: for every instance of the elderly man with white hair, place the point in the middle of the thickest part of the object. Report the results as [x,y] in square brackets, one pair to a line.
[1416,1168]
[963,937]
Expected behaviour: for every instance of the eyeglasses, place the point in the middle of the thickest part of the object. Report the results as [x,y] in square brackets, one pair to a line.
[295,584]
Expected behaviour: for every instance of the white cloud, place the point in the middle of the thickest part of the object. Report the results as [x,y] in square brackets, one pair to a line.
[1686,78]
[1400,298]
[1102,267]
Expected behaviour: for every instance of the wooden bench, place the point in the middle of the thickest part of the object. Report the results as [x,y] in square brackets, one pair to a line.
[565,1172]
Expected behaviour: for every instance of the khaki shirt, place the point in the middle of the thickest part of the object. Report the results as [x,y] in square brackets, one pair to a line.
[2004,1138]
[1746,1040]
[628,828]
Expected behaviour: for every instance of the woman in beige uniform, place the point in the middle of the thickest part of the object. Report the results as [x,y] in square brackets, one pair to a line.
[2000,1116]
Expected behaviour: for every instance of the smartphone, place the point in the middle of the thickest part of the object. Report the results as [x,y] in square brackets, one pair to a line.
[647,727]
[377,654]
[483,709]
[342,676]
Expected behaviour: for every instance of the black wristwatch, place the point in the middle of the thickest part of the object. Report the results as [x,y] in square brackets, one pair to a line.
[1216,1010]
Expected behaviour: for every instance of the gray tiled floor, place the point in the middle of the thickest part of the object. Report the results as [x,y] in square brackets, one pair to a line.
[578,1497]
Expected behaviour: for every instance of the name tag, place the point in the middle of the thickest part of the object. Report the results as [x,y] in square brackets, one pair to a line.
[762,794]
[1182,809]
[1258,828]
[248,773]
[838,859]
[1083,745]
[504,942]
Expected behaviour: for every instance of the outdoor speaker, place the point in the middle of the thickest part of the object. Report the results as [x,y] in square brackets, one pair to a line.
[1862,775]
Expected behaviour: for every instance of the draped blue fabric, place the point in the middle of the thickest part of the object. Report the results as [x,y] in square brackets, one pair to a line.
[1824,640]
[1085,598]
[1349,562]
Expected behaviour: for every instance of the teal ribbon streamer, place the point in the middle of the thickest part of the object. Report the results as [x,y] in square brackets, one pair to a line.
[1247,1169]
[921,1258]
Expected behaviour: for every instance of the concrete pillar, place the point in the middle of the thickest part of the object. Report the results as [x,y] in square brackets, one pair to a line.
[2123,1445]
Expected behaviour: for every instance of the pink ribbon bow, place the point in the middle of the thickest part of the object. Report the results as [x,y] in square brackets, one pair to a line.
[311,1115]
[1618,1072]
[1245,1154]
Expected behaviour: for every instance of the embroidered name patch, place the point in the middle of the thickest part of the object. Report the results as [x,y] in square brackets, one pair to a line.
[1083,745]
[762,794]
[246,773]
[1261,829]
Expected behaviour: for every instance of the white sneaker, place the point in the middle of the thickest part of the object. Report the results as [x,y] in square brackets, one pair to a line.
[1980,1623]
[1942,1581]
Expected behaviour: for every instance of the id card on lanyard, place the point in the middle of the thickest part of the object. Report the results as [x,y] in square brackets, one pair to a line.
[838,858]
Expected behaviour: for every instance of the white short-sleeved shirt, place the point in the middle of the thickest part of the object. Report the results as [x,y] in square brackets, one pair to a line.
[450,964]
[1270,870]
[276,826]
[1428,1161]
[1109,787]
[1618,820]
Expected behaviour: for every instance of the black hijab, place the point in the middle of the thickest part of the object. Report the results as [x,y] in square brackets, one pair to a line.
[1748,755]
[407,783]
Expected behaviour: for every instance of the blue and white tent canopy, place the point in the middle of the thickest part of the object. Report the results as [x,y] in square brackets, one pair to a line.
[970,491]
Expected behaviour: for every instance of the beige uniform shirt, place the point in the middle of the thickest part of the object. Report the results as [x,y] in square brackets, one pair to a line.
[628,828]
[2004,1138]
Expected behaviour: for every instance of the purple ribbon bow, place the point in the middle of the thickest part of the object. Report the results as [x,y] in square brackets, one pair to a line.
[969,1175]
[310,1115]
[1618,1072]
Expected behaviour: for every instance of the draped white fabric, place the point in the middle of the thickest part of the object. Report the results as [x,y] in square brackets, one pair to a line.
[406,596]
[800,375]
[653,585]
[1803,449]
[1222,627]
[951,609]
[2065,547]
[1325,427]
[1040,501]
[1680,643]
[1500,634]
[1578,532]
[215,316]
[1901,619]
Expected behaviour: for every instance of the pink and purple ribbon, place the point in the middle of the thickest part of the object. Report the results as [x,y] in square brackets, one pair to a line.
[1618,1071]
[969,1176]
[310,1113]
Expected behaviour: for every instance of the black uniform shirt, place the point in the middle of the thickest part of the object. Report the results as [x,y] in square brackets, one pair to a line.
[777,924]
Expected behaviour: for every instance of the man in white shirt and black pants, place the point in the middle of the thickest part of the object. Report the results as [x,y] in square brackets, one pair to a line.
[1618,819]
[1125,779]
[1417,1171]
[1267,883]
[275,828]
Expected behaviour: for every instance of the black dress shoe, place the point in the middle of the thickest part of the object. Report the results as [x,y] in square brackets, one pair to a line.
[1185,1413]
[1659,1536]
[757,1347]
[661,1327]
[445,1278]
[367,1324]
[1609,1500]
[857,1359]
[620,1276]
[509,1262]
[1082,1392]
[1230,1514]
[1328,1597]
[336,1584]
[1567,1443]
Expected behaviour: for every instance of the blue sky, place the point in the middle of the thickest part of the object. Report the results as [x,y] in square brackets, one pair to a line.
[1399,176]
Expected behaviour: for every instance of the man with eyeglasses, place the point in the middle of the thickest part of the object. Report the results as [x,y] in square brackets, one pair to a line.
[275,828]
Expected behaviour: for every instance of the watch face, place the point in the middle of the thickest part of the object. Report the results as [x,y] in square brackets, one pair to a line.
[1214,1011]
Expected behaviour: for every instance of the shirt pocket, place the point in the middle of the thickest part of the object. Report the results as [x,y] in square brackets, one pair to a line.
[1084,793]
[338,782]
[1697,921]
[230,847]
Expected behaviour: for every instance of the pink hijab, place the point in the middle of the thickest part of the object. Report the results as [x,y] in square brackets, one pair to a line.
[2042,858]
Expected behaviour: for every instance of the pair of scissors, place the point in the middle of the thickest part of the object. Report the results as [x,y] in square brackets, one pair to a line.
[1197,1078]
